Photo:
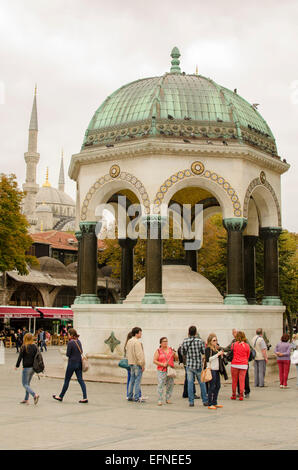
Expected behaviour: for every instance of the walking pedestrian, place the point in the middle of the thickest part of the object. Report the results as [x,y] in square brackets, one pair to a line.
[19,339]
[27,354]
[136,361]
[164,357]
[283,352]
[74,353]
[261,358]
[193,348]
[213,356]
[41,338]
[239,364]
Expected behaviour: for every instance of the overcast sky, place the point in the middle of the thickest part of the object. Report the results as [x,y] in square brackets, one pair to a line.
[80,51]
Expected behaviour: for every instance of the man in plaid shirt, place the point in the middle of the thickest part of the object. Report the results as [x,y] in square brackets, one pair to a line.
[193,348]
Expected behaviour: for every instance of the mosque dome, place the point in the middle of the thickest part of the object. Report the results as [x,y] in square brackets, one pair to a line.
[49,195]
[52,266]
[180,105]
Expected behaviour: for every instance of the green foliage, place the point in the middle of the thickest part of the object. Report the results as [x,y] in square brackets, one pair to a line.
[15,240]
[212,257]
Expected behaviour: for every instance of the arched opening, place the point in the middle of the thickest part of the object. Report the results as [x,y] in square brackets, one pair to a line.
[27,295]
[65,297]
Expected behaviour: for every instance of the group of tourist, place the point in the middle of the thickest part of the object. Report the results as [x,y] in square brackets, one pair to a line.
[196,356]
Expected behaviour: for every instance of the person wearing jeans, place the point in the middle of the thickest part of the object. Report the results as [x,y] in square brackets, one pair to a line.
[193,348]
[136,361]
[261,359]
[74,354]
[136,373]
[27,354]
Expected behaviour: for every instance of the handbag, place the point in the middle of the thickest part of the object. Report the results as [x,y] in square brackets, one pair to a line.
[85,364]
[294,358]
[171,373]
[206,375]
[123,363]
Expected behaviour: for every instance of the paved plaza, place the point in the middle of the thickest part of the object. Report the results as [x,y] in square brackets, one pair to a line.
[266,421]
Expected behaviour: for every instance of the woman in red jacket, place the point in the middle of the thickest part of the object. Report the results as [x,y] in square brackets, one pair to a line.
[239,365]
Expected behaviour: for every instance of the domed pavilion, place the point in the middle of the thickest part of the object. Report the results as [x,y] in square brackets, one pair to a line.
[175,140]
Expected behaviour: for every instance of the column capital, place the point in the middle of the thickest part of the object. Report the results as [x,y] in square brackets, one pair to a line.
[154,219]
[235,224]
[87,227]
[78,235]
[270,232]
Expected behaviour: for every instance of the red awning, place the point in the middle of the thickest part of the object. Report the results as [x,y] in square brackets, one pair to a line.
[52,312]
[8,311]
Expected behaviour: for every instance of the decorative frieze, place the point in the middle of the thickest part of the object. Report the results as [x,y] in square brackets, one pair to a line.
[260,181]
[137,186]
[198,169]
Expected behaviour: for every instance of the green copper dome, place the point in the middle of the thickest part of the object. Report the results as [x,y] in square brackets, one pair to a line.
[179,105]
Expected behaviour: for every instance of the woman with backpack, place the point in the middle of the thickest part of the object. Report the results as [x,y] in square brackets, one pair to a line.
[27,354]
[74,353]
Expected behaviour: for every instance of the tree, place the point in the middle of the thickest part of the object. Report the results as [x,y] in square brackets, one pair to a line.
[15,240]
[212,257]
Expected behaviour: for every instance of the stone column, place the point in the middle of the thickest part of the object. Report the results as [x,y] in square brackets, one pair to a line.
[126,277]
[271,269]
[88,265]
[191,257]
[153,279]
[250,268]
[235,268]
[79,238]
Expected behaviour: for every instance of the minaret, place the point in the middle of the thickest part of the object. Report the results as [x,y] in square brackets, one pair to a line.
[31,159]
[61,181]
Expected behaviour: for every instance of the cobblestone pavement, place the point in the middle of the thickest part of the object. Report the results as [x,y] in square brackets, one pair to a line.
[267,420]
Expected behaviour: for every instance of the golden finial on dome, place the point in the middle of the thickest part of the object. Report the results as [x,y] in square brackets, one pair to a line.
[47,184]
[197,70]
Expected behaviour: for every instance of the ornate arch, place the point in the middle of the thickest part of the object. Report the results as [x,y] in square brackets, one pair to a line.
[198,170]
[262,182]
[116,174]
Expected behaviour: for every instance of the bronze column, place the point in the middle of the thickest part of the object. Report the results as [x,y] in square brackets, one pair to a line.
[191,256]
[88,265]
[126,277]
[250,268]
[271,268]
[79,238]
[235,268]
[153,279]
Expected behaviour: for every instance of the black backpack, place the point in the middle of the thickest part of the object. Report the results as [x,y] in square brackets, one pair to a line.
[38,364]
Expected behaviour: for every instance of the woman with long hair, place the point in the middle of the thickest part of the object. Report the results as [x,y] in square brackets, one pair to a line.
[239,364]
[74,354]
[27,354]
[213,355]
[164,357]
[283,353]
